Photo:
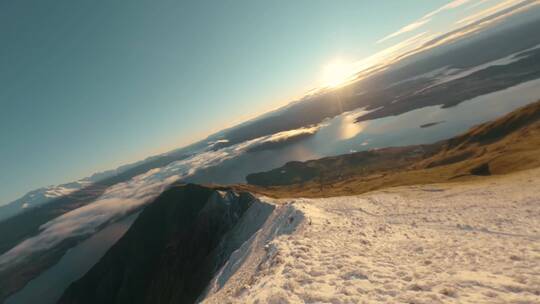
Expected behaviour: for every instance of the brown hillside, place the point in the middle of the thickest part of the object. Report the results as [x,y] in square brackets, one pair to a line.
[507,144]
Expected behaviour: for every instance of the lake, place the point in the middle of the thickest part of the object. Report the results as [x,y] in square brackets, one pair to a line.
[341,134]
[49,285]
[335,136]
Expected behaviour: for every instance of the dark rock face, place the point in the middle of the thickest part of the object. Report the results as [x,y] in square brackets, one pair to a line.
[481,170]
[170,253]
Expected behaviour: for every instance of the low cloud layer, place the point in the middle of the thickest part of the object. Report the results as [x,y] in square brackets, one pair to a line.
[453,21]
[124,198]
[127,197]
[424,20]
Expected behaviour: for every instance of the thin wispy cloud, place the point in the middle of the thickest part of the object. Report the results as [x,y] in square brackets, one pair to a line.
[451,5]
[424,20]
[387,55]
[511,5]
[408,28]
[481,21]
[476,4]
[464,22]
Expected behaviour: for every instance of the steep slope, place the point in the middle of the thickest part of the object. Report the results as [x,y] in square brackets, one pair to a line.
[506,144]
[202,243]
[173,248]
[25,218]
[471,242]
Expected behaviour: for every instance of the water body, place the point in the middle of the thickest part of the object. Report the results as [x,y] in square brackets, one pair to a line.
[49,286]
[341,134]
[338,135]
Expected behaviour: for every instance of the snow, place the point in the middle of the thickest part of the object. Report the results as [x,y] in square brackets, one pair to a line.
[256,254]
[58,191]
[475,242]
[38,197]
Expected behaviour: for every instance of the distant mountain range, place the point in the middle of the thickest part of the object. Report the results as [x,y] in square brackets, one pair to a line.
[38,197]
[395,90]
[507,144]
[390,92]
[175,250]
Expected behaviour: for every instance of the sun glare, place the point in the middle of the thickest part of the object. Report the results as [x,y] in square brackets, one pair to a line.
[336,73]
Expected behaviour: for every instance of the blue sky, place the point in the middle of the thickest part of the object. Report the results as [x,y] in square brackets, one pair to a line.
[90,85]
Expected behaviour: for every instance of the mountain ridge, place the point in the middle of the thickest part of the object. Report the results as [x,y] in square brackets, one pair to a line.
[172,250]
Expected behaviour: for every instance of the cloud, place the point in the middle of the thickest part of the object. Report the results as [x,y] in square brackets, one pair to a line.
[451,5]
[115,203]
[290,134]
[125,198]
[476,4]
[498,10]
[282,139]
[425,19]
[481,21]
[428,39]
[381,60]
[406,29]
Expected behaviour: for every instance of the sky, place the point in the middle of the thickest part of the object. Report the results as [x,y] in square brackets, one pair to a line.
[91,85]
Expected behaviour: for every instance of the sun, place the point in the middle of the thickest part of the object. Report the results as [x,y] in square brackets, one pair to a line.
[336,73]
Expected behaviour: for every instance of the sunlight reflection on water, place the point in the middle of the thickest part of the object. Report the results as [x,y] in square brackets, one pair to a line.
[335,136]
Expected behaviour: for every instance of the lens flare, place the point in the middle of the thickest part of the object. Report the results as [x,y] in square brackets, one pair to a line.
[336,73]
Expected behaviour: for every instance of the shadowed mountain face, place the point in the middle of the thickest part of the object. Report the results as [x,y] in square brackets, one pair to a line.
[26,224]
[172,250]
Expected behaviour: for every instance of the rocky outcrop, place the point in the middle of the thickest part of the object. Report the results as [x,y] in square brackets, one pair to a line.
[173,249]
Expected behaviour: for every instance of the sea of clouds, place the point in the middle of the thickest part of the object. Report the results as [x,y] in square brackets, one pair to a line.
[127,197]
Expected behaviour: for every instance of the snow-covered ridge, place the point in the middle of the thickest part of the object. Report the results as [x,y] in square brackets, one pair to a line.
[476,242]
[40,197]
[257,255]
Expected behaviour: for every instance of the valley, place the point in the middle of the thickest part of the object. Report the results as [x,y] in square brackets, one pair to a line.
[403,224]
[398,176]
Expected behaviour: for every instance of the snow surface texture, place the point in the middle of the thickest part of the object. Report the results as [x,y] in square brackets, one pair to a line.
[475,242]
